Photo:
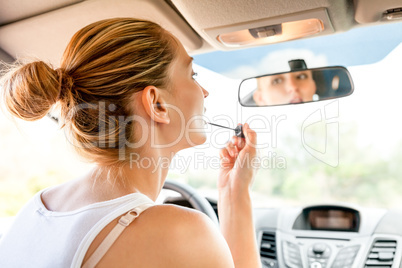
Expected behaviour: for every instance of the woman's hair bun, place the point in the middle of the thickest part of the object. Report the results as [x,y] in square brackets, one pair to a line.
[30,90]
[104,65]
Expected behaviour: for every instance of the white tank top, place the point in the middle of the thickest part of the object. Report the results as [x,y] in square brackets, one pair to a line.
[43,238]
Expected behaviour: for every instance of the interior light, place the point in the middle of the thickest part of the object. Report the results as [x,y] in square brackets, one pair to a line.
[272,33]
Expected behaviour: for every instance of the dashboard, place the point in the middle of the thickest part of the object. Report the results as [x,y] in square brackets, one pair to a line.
[321,236]
[329,236]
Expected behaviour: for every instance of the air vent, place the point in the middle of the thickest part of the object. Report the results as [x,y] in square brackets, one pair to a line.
[381,254]
[268,245]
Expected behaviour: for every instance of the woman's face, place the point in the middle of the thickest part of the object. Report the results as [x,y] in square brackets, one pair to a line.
[186,100]
[285,88]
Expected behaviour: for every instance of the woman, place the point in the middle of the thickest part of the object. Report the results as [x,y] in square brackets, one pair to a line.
[292,87]
[125,86]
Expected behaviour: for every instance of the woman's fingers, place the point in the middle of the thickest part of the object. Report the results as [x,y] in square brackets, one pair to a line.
[230,152]
[224,154]
[251,135]
[232,149]
[239,142]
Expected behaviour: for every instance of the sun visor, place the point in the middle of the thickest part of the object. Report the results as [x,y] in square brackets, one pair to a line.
[46,36]
[15,10]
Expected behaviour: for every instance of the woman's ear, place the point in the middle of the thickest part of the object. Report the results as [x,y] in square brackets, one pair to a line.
[155,105]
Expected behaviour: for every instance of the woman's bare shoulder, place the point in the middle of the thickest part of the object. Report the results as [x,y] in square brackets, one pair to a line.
[167,236]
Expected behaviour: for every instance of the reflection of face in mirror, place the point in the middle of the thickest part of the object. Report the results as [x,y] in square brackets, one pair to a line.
[295,87]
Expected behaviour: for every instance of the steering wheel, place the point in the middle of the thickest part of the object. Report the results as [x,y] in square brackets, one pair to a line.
[197,201]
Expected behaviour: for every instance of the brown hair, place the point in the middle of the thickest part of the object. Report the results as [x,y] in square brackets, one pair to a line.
[102,66]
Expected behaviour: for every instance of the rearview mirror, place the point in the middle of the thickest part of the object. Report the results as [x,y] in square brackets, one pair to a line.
[298,86]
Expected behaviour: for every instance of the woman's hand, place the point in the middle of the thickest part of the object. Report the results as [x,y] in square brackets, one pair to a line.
[239,162]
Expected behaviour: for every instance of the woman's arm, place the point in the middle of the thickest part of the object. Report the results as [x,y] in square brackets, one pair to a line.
[239,165]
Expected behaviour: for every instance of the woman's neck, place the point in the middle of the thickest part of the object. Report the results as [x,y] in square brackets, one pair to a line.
[145,172]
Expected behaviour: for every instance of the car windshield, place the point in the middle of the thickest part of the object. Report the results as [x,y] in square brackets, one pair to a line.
[344,150]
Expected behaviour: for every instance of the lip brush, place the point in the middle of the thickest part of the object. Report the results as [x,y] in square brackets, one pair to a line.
[238,130]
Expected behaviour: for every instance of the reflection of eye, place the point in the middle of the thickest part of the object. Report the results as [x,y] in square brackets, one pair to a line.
[194,75]
[302,76]
[277,81]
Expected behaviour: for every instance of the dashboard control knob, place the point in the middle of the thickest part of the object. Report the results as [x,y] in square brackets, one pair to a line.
[315,265]
[319,248]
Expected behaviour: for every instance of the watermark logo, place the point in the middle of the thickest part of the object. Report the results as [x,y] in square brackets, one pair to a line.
[325,147]
[110,131]
[100,125]
[202,161]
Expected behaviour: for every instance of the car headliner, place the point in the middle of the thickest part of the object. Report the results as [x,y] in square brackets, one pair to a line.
[42,28]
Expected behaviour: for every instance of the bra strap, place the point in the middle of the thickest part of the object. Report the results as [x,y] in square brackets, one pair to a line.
[124,221]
